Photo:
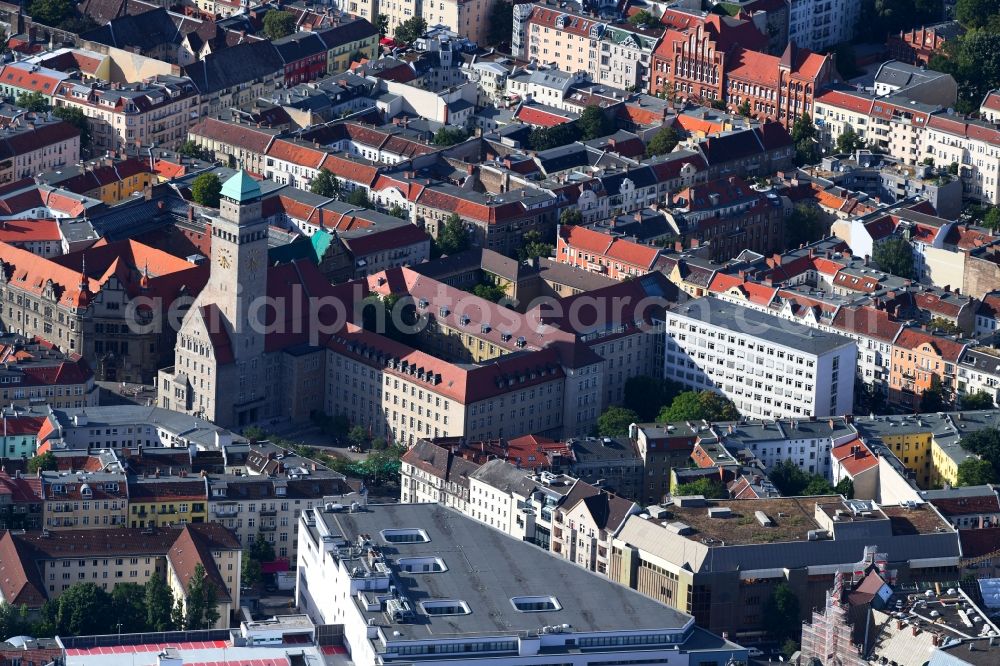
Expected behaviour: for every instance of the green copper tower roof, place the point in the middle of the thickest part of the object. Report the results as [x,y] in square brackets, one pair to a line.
[241,187]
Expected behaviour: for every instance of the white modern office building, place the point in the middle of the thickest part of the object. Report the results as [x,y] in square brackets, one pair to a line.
[769,367]
[423,583]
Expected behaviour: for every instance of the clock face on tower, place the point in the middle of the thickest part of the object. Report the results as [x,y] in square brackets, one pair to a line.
[225,259]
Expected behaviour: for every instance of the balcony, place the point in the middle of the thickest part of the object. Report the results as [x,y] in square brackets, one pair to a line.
[267,528]
[268,512]
[226,510]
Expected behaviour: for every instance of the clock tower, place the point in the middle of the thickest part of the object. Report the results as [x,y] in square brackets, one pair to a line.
[238,278]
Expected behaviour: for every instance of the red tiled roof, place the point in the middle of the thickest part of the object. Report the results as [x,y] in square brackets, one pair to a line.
[991,101]
[352,170]
[294,153]
[979,542]
[29,230]
[540,117]
[947,348]
[613,247]
[867,321]
[854,457]
[845,100]
[752,291]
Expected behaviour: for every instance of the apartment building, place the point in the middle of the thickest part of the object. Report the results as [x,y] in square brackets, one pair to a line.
[919,360]
[330,568]
[570,39]
[820,24]
[928,444]
[716,565]
[83,501]
[34,144]
[603,253]
[44,564]
[469,18]
[157,111]
[350,37]
[971,144]
[167,501]
[35,373]
[586,523]
[20,502]
[747,355]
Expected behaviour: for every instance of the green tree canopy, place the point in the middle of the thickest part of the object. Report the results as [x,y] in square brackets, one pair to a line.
[410,29]
[278,24]
[83,609]
[849,141]
[501,25]
[935,398]
[804,225]
[895,255]
[75,117]
[570,215]
[533,246]
[663,142]
[977,400]
[491,292]
[159,602]
[804,135]
[647,395]
[453,236]
[261,549]
[205,190]
[358,436]
[52,12]
[449,136]
[191,149]
[791,481]
[200,608]
[975,13]
[642,17]
[614,422]
[781,614]
[544,138]
[383,25]
[991,220]
[43,462]
[128,607]
[699,405]
[251,573]
[33,101]
[325,184]
[13,621]
[711,489]
[594,123]
[976,472]
[359,197]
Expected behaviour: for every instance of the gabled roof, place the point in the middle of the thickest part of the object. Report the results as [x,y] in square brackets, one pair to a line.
[948,349]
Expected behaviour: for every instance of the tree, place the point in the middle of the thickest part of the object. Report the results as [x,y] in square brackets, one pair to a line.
[254,433]
[991,220]
[594,123]
[325,184]
[383,25]
[934,398]
[35,102]
[128,608]
[697,406]
[849,141]
[75,117]
[663,142]
[846,61]
[794,482]
[781,614]
[977,400]
[804,136]
[205,190]
[453,236]
[544,138]
[975,472]
[359,198]
[410,30]
[44,462]
[490,292]
[159,603]
[647,395]
[449,136]
[845,487]
[51,12]
[985,443]
[614,422]
[83,610]
[571,216]
[895,255]
[710,489]
[804,225]
[642,17]
[13,620]
[397,211]
[744,109]
[501,24]
[251,573]
[358,436]
[191,149]
[944,325]
[278,24]
[533,246]
[200,611]
[261,549]
[975,13]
